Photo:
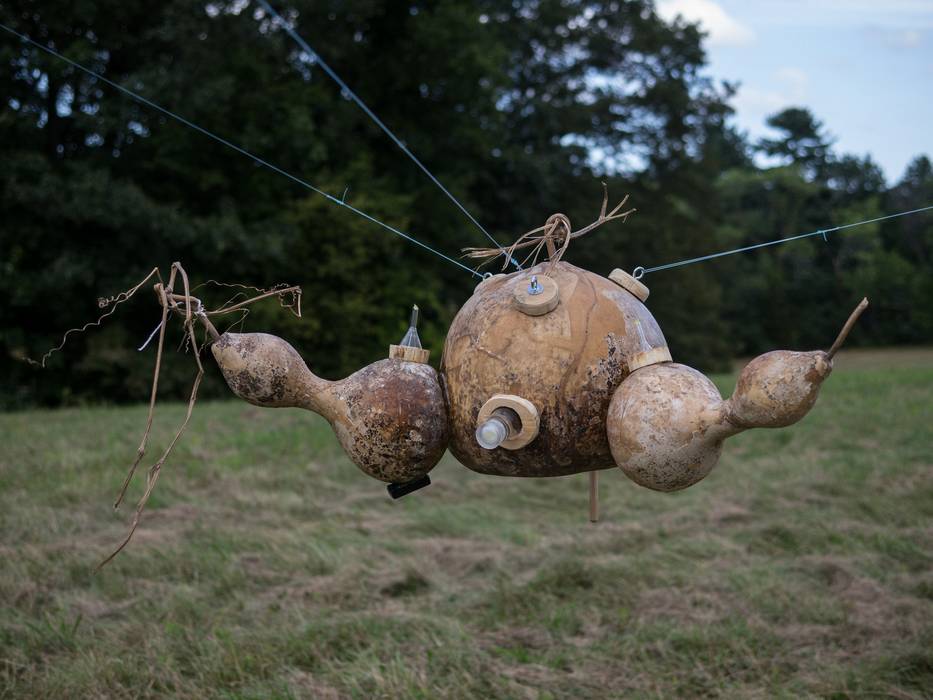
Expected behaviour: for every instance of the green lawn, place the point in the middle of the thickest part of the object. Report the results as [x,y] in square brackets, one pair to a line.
[269,566]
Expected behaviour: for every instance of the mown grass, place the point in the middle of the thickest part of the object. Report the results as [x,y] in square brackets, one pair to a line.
[269,567]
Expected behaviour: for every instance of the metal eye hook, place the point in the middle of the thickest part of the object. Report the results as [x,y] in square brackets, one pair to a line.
[534,287]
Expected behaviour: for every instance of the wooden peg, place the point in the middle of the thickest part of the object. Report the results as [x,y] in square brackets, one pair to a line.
[594,496]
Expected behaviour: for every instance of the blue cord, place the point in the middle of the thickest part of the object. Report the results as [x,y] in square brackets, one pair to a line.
[353,96]
[257,159]
[640,272]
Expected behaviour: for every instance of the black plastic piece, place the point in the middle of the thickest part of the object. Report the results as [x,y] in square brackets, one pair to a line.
[406,487]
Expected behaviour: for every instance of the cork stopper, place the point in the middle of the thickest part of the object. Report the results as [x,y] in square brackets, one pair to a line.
[629,283]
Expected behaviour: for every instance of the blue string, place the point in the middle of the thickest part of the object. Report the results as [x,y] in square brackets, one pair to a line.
[228,144]
[353,96]
[640,272]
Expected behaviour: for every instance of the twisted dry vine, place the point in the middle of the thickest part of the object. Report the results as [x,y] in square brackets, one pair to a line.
[192,311]
[555,235]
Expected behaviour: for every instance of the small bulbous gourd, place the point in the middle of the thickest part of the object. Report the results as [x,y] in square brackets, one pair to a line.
[265,370]
[390,416]
[778,388]
[666,424]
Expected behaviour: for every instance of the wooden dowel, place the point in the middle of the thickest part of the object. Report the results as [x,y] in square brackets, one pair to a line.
[594,496]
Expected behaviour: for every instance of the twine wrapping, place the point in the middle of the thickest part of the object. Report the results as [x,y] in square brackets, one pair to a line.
[555,235]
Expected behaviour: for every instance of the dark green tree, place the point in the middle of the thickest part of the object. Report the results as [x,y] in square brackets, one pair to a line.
[521,110]
[801,140]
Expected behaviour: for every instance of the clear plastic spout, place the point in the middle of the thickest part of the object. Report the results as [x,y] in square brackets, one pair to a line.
[411,339]
[492,433]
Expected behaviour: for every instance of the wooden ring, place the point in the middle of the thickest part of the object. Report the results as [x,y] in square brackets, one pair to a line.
[527,413]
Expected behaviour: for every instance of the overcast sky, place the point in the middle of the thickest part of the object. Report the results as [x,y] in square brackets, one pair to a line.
[864,67]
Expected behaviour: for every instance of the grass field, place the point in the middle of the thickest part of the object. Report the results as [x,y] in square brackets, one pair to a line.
[268,566]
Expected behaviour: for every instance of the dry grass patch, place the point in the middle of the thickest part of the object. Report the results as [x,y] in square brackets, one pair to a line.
[267,566]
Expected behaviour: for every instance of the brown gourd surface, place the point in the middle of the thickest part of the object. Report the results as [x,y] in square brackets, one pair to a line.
[567,362]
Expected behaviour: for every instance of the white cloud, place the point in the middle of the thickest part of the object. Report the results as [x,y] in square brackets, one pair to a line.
[896,38]
[787,88]
[724,29]
[909,38]
[793,81]
[767,15]
[888,7]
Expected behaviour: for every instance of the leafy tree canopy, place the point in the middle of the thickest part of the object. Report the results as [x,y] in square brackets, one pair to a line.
[521,109]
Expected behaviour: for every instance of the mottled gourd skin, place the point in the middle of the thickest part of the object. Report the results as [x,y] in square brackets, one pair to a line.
[390,416]
[394,426]
[264,370]
[567,362]
[666,426]
[778,388]
[596,368]
[667,422]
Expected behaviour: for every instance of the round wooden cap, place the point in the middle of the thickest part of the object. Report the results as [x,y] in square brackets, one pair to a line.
[629,283]
[538,304]
[527,413]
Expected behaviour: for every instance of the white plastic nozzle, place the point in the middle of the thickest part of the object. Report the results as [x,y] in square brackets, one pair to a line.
[492,433]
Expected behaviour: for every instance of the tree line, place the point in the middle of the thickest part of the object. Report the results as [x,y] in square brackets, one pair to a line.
[521,109]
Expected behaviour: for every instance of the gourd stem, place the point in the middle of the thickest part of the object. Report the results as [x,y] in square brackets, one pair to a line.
[844,333]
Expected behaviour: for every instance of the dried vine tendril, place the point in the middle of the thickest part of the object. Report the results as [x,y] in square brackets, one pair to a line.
[192,311]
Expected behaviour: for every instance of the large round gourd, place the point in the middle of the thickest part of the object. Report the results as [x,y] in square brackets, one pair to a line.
[567,362]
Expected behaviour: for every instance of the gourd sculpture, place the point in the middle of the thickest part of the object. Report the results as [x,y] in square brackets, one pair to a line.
[548,371]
